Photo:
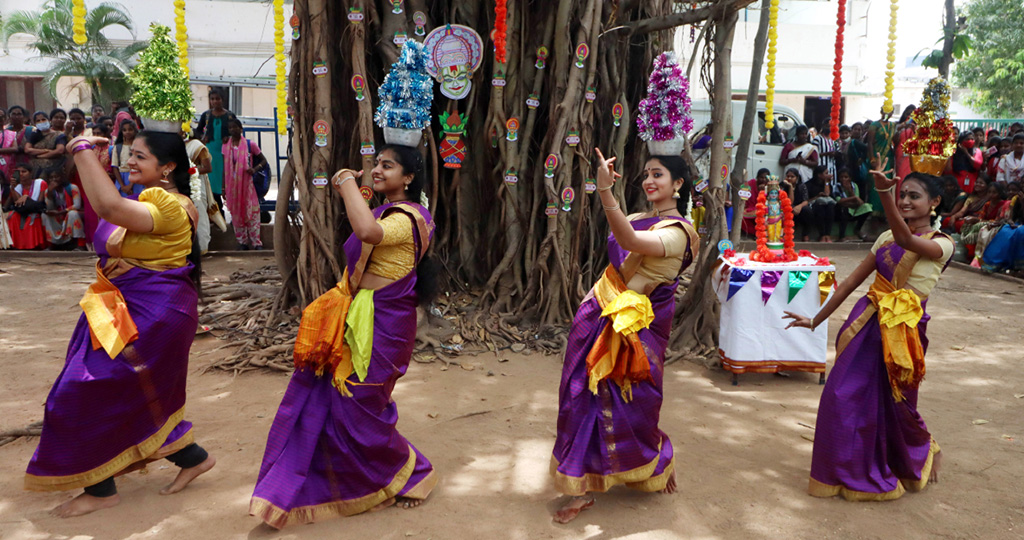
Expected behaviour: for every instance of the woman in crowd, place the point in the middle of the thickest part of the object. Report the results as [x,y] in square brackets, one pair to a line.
[992,156]
[1011,163]
[9,149]
[880,138]
[75,126]
[6,242]
[952,199]
[978,206]
[870,442]
[200,157]
[18,118]
[45,145]
[829,155]
[850,207]
[754,186]
[797,192]
[801,154]
[966,162]
[63,217]
[905,130]
[133,339]
[242,160]
[333,448]
[122,111]
[823,207]
[1005,251]
[59,120]
[857,158]
[611,392]
[213,131]
[975,223]
[25,209]
[120,154]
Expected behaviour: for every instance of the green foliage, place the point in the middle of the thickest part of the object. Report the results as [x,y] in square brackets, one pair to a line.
[962,46]
[161,89]
[103,65]
[994,71]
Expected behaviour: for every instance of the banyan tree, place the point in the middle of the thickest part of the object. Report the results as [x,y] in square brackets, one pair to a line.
[517,113]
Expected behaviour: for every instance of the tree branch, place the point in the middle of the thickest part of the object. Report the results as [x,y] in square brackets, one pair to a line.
[711,11]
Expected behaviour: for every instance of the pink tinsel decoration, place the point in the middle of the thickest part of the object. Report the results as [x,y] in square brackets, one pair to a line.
[665,112]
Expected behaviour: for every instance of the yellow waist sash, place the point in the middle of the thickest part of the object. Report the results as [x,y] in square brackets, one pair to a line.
[899,312]
[618,353]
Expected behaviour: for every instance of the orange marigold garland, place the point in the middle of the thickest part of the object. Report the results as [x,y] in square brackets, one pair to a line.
[788,224]
[761,252]
[500,13]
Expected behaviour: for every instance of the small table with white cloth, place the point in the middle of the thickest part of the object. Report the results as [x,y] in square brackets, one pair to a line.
[754,296]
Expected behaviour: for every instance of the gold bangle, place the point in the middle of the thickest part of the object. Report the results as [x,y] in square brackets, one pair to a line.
[604,188]
[887,190]
[611,208]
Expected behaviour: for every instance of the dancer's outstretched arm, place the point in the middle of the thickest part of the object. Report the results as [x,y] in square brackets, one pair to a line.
[847,286]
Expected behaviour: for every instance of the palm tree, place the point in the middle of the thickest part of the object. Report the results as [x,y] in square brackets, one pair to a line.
[99,62]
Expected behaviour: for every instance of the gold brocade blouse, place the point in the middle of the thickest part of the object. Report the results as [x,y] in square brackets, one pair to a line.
[170,241]
[395,255]
[663,269]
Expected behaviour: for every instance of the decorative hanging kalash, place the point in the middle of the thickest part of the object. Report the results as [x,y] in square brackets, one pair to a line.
[279,74]
[837,74]
[934,140]
[773,40]
[78,13]
[161,92]
[405,97]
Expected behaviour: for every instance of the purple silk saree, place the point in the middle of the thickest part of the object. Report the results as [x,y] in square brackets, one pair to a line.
[329,454]
[867,445]
[105,414]
[603,440]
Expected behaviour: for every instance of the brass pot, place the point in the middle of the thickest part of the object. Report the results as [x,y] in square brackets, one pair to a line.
[927,164]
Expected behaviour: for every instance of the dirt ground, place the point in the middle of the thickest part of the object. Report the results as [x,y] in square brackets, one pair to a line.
[742,453]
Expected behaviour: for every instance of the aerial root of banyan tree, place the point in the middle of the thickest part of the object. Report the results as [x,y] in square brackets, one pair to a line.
[246,312]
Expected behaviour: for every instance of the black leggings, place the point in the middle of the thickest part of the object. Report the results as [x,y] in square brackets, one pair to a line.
[819,216]
[845,217]
[186,458]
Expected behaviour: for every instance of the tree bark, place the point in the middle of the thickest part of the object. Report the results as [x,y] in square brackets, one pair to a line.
[949,34]
[740,174]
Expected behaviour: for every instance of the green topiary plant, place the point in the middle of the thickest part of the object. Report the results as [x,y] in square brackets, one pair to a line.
[161,88]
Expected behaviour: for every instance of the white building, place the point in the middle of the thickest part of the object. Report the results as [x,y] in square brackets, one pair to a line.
[806,55]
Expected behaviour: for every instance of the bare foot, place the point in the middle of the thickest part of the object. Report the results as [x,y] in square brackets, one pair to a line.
[571,509]
[185,476]
[85,504]
[670,486]
[383,505]
[406,502]
[936,466]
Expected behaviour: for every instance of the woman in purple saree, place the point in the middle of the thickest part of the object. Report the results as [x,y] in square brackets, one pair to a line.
[870,442]
[333,449]
[610,395]
[120,400]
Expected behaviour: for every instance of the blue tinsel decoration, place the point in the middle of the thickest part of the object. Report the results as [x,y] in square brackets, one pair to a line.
[407,91]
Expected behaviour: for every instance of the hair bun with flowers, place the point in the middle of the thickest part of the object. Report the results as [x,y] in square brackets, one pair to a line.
[664,118]
[405,97]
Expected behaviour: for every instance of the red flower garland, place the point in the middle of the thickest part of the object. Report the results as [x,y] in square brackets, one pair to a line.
[761,252]
[788,246]
[500,30]
[837,73]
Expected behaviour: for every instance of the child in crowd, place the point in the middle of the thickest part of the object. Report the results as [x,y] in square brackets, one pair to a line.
[822,205]
[754,186]
[850,207]
[63,217]
[120,152]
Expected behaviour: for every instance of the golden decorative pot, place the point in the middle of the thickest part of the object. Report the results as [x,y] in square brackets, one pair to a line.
[933,165]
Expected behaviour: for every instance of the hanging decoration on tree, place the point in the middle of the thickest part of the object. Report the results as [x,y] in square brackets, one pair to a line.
[511,178]
[279,72]
[551,210]
[532,102]
[78,13]
[617,114]
[934,140]
[420,20]
[319,68]
[499,79]
[664,118]
[572,138]
[161,92]
[320,132]
[550,164]
[405,97]
[400,38]
[355,15]
[837,74]
[512,130]
[396,6]
[591,94]
[568,196]
[890,59]
[359,86]
[294,22]
[773,41]
[582,52]
[542,57]
[452,149]
[500,30]
[454,54]
[590,185]
[367,149]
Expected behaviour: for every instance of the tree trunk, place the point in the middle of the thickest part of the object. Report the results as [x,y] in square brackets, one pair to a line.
[949,33]
[740,174]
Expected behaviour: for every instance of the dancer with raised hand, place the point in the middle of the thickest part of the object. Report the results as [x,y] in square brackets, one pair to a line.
[870,442]
[120,400]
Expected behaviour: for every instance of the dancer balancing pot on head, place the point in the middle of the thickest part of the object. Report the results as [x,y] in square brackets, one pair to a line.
[120,400]
[610,395]
[333,448]
[870,442]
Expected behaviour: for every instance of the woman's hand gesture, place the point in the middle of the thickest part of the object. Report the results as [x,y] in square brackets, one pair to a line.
[606,175]
[880,176]
[340,178]
[798,321]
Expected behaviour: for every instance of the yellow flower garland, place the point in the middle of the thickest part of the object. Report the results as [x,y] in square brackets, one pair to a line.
[181,37]
[773,39]
[890,66]
[78,22]
[282,96]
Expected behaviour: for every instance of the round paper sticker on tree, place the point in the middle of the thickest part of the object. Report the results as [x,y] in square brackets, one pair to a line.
[542,57]
[396,6]
[572,138]
[591,94]
[295,26]
[320,179]
[367,149]
[400,38]
[744,193]
[582,52]
[724,245]
[590,185]
[617,114]
[319,68]
[533,101]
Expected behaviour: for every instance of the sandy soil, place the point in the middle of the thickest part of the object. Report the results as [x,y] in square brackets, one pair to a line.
[742,453]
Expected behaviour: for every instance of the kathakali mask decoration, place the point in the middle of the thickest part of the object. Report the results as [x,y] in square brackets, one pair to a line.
[453,150]
[455,53]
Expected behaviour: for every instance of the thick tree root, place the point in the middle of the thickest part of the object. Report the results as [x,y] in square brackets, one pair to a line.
[34,429]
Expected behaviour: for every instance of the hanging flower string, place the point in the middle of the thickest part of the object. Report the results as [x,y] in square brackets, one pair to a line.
[500,30]
[282,95]
[890,58]
[788,224]
[837,80]
[78,22]
[773,40]
[181,34]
